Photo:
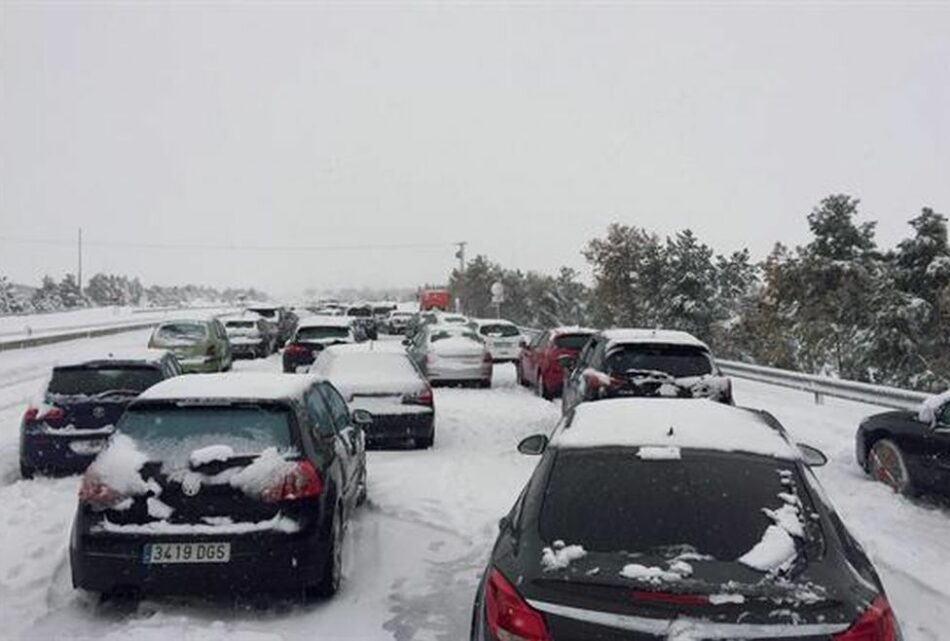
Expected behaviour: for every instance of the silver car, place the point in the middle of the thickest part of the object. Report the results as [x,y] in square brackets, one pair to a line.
[451,355]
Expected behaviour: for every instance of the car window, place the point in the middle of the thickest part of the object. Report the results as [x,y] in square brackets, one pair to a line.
[179,334]
[571,341]
[319,413]
[584,357]
[539,340]
[314,333]
[943,416]
[677,360]
[499,330]
[90,381]
[338,409]
[705,501]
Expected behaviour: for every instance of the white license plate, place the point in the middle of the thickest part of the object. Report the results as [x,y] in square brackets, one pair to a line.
[87,447]
[154,553]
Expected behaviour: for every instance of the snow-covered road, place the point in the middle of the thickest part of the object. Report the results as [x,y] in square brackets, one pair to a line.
[414,551]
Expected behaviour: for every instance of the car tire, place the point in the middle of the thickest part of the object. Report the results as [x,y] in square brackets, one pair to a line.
[329,583]
[520,375]
[886,463]
[425,442]
[485,383]
[540,388]
[27,472]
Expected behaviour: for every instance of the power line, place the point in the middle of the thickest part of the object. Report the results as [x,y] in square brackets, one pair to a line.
[224,247]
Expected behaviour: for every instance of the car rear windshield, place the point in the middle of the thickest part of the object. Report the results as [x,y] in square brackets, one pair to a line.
[571,341]
[172,334]
[709,501]
[89,381]
[362,312]
[500,329]
[676,360]
[241,324]
[266,313]
[444,334]
[169,433]
[322,333]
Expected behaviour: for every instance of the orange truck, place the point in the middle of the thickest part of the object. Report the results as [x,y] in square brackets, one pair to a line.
[434,299]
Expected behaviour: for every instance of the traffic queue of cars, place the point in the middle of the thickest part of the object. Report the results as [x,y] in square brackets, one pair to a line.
[708,523]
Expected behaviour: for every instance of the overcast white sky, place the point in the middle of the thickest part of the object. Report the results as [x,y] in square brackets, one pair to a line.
[523,130]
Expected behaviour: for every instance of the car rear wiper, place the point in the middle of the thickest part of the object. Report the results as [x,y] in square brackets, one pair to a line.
[117,392]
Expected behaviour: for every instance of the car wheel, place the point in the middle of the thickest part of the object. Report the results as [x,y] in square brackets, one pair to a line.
[520,374]
[27,472]
[425,442]
[886,464]
[329,583]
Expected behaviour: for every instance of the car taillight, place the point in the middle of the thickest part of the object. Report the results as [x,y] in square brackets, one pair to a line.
[50,415]
[509,618]
[487,357]
[95,493]
[29,416]
[422,398]
[302,481]
[876,624]
[295,350]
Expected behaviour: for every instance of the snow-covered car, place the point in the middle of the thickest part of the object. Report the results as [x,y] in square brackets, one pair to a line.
[398,321]
[908,449]
[313,334]
[643,362]
[199,344]
[222,484]
[76,411]
[503,338]
[651,519]
[250,335]
[281,319]
[451,354]
[386,383]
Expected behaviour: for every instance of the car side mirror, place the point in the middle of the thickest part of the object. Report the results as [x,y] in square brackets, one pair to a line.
[812,456]
[533,445]
[523,343]
[406,342]
[504,523]
[362,418]
[567,362]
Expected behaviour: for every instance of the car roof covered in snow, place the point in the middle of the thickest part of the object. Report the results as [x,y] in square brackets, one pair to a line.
[571,329]
[367,347]
[144,356]
[246,315]
[658,336]
[324,321]
[677,423]
[241,385]
[197,318]
[492,321]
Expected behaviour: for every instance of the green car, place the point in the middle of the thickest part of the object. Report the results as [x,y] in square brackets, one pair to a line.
[201,345]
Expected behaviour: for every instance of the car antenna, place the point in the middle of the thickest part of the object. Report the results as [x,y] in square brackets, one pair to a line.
[670,433]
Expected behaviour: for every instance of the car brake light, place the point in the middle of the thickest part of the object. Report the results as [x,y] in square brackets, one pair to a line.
[876,624]
[29,416]
[51,415]
[487,357]
[509,617]
[295,350]
[422,398]
[302,481]
[94,492]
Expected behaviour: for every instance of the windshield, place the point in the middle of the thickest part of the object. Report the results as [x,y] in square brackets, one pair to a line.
[571,341]
[240,325]
[322,333]
[89,381]
[676,360]
[172,334]
[704,500]
[361,312]
[498,330]
[448,333]
[169,433]
[266,313]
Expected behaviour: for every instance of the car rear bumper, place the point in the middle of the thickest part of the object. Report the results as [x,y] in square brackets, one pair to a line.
[454,373]
[200,365]
[247,349]
[57,454]
[394,427]
[260,562]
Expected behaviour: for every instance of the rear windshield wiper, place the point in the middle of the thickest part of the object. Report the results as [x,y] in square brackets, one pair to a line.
[117,392]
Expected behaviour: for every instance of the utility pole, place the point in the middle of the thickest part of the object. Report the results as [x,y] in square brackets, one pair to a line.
[79,268]
[460,254]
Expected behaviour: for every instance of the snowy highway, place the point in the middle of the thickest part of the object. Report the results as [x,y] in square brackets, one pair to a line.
[414,552]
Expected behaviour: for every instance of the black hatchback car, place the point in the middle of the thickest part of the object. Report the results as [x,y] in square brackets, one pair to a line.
[81,403]
[648,519]
[908,450]
[222,484]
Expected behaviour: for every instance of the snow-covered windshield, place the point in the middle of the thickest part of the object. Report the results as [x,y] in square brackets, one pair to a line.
[322,333]
[89,381]
[171,334]
[713,503]
[170,433]
[499,330]
[676,360]
[571,341]
[266,312]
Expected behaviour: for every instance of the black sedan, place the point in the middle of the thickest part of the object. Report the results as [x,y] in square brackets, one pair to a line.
[222,484]
[651,519]
[80,406]
[908,450]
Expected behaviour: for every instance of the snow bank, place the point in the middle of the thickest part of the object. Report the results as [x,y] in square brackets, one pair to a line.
[210,453]
[652,574]
[559,555]
[927,413]
[119,466]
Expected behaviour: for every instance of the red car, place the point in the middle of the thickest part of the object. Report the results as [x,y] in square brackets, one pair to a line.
[538,366]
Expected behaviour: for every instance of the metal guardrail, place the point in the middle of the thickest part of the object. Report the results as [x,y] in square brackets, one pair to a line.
[36,341]
[822,386]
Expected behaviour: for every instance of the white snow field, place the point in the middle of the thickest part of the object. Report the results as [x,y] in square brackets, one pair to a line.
[414,551]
